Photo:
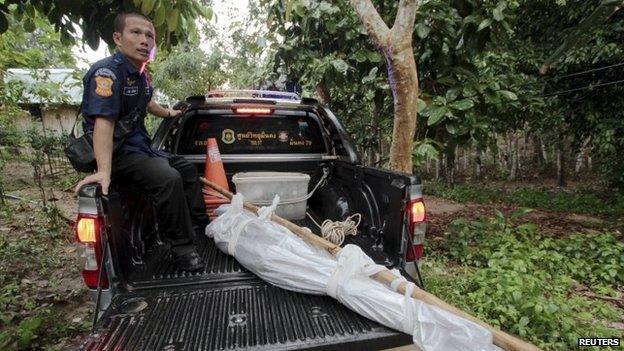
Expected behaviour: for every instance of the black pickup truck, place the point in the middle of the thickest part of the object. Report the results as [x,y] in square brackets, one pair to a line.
[146,303]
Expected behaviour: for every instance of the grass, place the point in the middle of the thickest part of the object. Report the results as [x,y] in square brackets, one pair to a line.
[42,298]
[582,201]
[542,289]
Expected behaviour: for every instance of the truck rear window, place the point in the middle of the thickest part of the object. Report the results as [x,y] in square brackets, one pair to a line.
[252,135]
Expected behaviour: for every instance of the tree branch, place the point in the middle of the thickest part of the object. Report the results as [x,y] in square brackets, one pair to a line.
[373,23]
[405,18]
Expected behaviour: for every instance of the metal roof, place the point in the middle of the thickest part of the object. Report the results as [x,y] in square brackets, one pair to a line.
[49,85]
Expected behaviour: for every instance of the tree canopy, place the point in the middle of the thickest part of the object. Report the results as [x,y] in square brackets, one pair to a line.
[174,20]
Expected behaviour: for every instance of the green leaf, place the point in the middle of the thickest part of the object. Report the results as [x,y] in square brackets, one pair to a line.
[208,13]
[484,24]
[524,321]
[374,56]
[509,95]
[331,27]
[172,20]
[147,6]
[516,295]
[159,19]
[498,11]
[538,308]
[360,56]
[451,129]
[462,105]
[452,94]
[421,105]
[371,76]
[27,331]
[422,30]
[498,14]
[340,66]
[436,115]
[521,212]
[300,10]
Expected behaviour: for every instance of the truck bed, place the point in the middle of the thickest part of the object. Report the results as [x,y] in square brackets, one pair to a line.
[253,315]
[226,307]
[158,270]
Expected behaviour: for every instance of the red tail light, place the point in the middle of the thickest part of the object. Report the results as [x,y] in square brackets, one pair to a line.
[417,216]
[88,233]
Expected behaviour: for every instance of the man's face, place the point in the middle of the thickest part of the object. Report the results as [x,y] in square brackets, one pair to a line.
[137,40]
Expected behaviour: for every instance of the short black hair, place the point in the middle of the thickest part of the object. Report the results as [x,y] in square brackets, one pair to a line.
[120,20]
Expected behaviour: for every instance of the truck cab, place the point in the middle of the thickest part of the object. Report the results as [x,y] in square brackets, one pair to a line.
[145,302]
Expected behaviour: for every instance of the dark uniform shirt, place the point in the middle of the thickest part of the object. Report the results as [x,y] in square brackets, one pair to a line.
[112,89]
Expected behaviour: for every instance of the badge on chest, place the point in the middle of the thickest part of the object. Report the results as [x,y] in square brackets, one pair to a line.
[131,91]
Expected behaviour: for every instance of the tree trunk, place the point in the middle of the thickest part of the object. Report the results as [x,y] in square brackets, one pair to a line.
[560,155]
[323,94]
[544,150]
[538,157]
[396,46]
[437,168]
[449,169]
[582,156]
[513,172]
[477,173]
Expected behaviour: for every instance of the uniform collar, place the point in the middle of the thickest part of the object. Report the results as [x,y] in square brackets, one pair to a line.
[128,66]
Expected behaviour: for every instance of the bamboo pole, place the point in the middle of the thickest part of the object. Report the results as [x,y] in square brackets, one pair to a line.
[501,339]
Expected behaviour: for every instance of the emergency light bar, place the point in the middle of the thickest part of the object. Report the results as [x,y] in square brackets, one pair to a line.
[254,94]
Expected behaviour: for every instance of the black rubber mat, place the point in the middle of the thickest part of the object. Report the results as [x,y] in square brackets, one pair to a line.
[158,267]
[249,316]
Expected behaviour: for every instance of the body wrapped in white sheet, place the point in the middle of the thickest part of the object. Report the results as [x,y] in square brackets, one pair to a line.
[281,258]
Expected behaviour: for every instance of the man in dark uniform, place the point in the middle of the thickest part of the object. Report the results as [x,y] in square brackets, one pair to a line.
[115,89]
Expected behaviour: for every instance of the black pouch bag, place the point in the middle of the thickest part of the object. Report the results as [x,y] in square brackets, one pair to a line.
[79,150]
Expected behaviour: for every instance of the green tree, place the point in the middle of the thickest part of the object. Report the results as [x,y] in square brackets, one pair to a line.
[174,20]
[188,71]
[396,45]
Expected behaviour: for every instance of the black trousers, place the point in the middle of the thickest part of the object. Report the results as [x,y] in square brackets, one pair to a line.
[173,185]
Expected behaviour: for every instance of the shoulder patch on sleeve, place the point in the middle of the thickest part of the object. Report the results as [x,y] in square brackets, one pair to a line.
[103,86]
[105,72]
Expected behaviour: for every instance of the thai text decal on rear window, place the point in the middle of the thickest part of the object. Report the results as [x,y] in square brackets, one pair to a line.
[252,135]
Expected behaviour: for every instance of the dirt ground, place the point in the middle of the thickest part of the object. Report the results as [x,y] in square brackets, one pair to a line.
[42,290]
[441,212]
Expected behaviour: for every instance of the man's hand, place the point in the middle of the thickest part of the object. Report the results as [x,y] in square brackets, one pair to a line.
[103,150]
[102,178]
[174,113]
[157,110]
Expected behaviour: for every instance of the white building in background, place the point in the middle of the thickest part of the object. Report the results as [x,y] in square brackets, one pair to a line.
[52,96]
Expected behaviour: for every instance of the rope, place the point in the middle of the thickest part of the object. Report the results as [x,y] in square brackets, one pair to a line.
[336,231]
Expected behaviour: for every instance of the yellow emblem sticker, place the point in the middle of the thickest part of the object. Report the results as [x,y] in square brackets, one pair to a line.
[227,136]
[104,86]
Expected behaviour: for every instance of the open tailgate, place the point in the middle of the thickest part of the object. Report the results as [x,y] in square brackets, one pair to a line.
[249,315]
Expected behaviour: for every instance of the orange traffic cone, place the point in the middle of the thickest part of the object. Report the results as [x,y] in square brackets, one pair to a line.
[214,172]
